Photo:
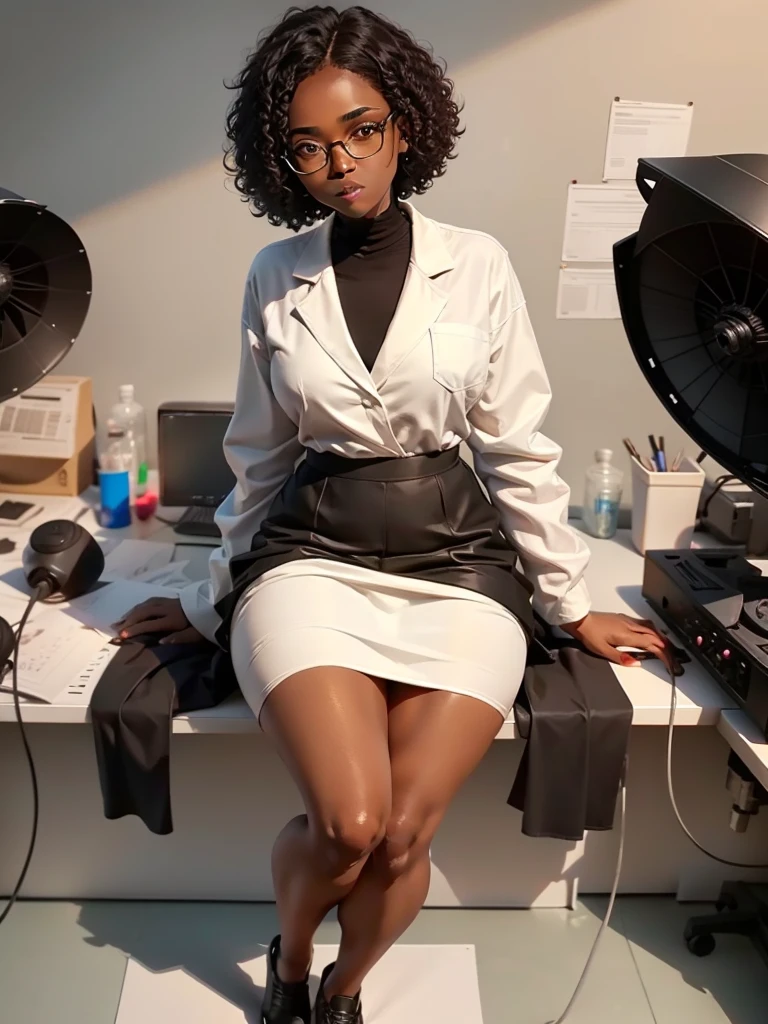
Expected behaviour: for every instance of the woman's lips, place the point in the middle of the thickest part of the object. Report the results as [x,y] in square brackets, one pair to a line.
[350,195]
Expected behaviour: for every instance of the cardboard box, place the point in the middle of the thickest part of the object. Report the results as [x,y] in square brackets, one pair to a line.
[31,474]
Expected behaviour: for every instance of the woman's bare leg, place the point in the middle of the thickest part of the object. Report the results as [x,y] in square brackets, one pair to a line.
[436,739]
[330,728]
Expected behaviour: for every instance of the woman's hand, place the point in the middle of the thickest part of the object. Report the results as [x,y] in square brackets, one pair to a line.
[603,632]
[159,615]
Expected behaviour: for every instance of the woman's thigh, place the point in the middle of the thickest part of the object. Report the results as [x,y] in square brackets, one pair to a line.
[330,728]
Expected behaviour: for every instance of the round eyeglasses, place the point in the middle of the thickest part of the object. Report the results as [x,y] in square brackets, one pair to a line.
[307,157]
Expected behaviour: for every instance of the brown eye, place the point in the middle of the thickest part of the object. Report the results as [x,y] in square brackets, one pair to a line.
[307,149]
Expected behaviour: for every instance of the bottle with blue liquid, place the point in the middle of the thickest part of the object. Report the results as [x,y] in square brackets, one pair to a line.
[602,496]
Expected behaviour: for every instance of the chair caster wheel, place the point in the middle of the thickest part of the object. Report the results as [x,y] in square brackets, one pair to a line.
[726,903]
[701,945]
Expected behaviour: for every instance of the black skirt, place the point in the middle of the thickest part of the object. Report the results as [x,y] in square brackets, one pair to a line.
[422,516]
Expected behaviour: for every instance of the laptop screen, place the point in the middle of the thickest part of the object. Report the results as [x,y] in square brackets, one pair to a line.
[193,470]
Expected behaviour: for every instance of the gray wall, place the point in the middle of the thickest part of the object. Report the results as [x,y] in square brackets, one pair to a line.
[113,116]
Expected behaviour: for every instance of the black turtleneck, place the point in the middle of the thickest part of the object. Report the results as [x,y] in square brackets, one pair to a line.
[370,260]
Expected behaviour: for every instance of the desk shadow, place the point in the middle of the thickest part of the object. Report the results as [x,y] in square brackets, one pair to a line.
[734,975]
[633,595]
[208,941]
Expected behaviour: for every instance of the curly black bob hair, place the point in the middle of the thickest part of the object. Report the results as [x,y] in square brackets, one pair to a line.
[355,39]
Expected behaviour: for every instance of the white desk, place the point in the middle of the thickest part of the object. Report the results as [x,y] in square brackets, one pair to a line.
[231,795]
[700,700]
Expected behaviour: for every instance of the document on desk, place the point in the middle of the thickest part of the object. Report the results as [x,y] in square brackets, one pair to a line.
[171,575]
[53,653]
[637,129]
[103,606]
[598,216]
[133,559]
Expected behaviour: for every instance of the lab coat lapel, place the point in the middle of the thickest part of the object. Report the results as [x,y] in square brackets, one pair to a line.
[320,309]
[422,301]
[423,298]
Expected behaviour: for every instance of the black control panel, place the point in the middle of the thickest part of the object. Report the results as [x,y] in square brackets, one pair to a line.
[717,604]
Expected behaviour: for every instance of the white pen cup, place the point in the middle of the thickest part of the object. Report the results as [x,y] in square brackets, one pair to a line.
[664,506]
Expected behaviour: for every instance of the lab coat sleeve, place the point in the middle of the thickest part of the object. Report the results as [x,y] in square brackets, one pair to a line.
[518,466]
[261,446]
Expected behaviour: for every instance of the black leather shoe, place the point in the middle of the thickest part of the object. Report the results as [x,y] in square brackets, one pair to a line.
[284,1002]
[337,1010]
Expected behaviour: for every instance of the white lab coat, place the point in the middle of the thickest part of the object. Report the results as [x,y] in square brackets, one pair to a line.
[459,363]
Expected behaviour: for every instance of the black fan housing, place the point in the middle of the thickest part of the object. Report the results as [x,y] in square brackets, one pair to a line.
[693,293]
[45,291]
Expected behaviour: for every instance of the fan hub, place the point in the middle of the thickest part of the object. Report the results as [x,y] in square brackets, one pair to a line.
[739,331]
[6,282]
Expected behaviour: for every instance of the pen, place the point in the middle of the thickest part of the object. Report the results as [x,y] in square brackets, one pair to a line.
[678,460]
[630,448]
[661,457]
[635,454]
[655,450]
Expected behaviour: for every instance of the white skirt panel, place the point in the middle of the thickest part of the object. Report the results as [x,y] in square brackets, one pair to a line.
[318,612]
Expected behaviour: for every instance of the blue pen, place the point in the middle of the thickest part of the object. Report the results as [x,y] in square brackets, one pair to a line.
[657,454]
[661,457]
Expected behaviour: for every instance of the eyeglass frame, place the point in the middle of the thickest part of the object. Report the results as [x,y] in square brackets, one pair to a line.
[380,125]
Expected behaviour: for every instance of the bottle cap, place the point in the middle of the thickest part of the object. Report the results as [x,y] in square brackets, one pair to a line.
[126,392]
[603,455]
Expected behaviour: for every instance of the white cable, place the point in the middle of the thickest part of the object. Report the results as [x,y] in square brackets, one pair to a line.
[671,788]
[673,801]
[612,899]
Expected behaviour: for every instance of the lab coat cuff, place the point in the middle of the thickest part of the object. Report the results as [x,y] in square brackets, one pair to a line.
[572,607]
[196,605]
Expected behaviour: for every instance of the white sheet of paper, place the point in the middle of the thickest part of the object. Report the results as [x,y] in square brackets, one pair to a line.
[54,651]
[131,558]
[171,575]
[409,985]
[637,129]
[41,422]
[587,295]
[596,217]
[13,584]
[102,607]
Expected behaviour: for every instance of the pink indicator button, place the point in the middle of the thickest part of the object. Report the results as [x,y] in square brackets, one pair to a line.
[727,653]
[699,641]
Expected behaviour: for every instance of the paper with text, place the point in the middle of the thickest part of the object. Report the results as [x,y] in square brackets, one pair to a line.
[598,216]
[41,422]
[637,129]
[587,295]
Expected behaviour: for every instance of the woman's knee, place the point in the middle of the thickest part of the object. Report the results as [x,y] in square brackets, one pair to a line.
[350,835]
[407,838]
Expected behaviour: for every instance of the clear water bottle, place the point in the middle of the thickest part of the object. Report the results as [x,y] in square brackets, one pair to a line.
[602,495]
[115,450]
[131,418]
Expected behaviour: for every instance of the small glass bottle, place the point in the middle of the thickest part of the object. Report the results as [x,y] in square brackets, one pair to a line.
[602,496]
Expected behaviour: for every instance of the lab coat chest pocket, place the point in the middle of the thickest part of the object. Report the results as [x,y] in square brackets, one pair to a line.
[460,354]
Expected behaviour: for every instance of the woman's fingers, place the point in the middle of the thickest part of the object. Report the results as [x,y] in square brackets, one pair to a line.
[645,626]
[151,609]
[650,642]
[153,625]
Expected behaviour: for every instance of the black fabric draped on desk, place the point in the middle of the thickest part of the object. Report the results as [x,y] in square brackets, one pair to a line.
[571,710]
